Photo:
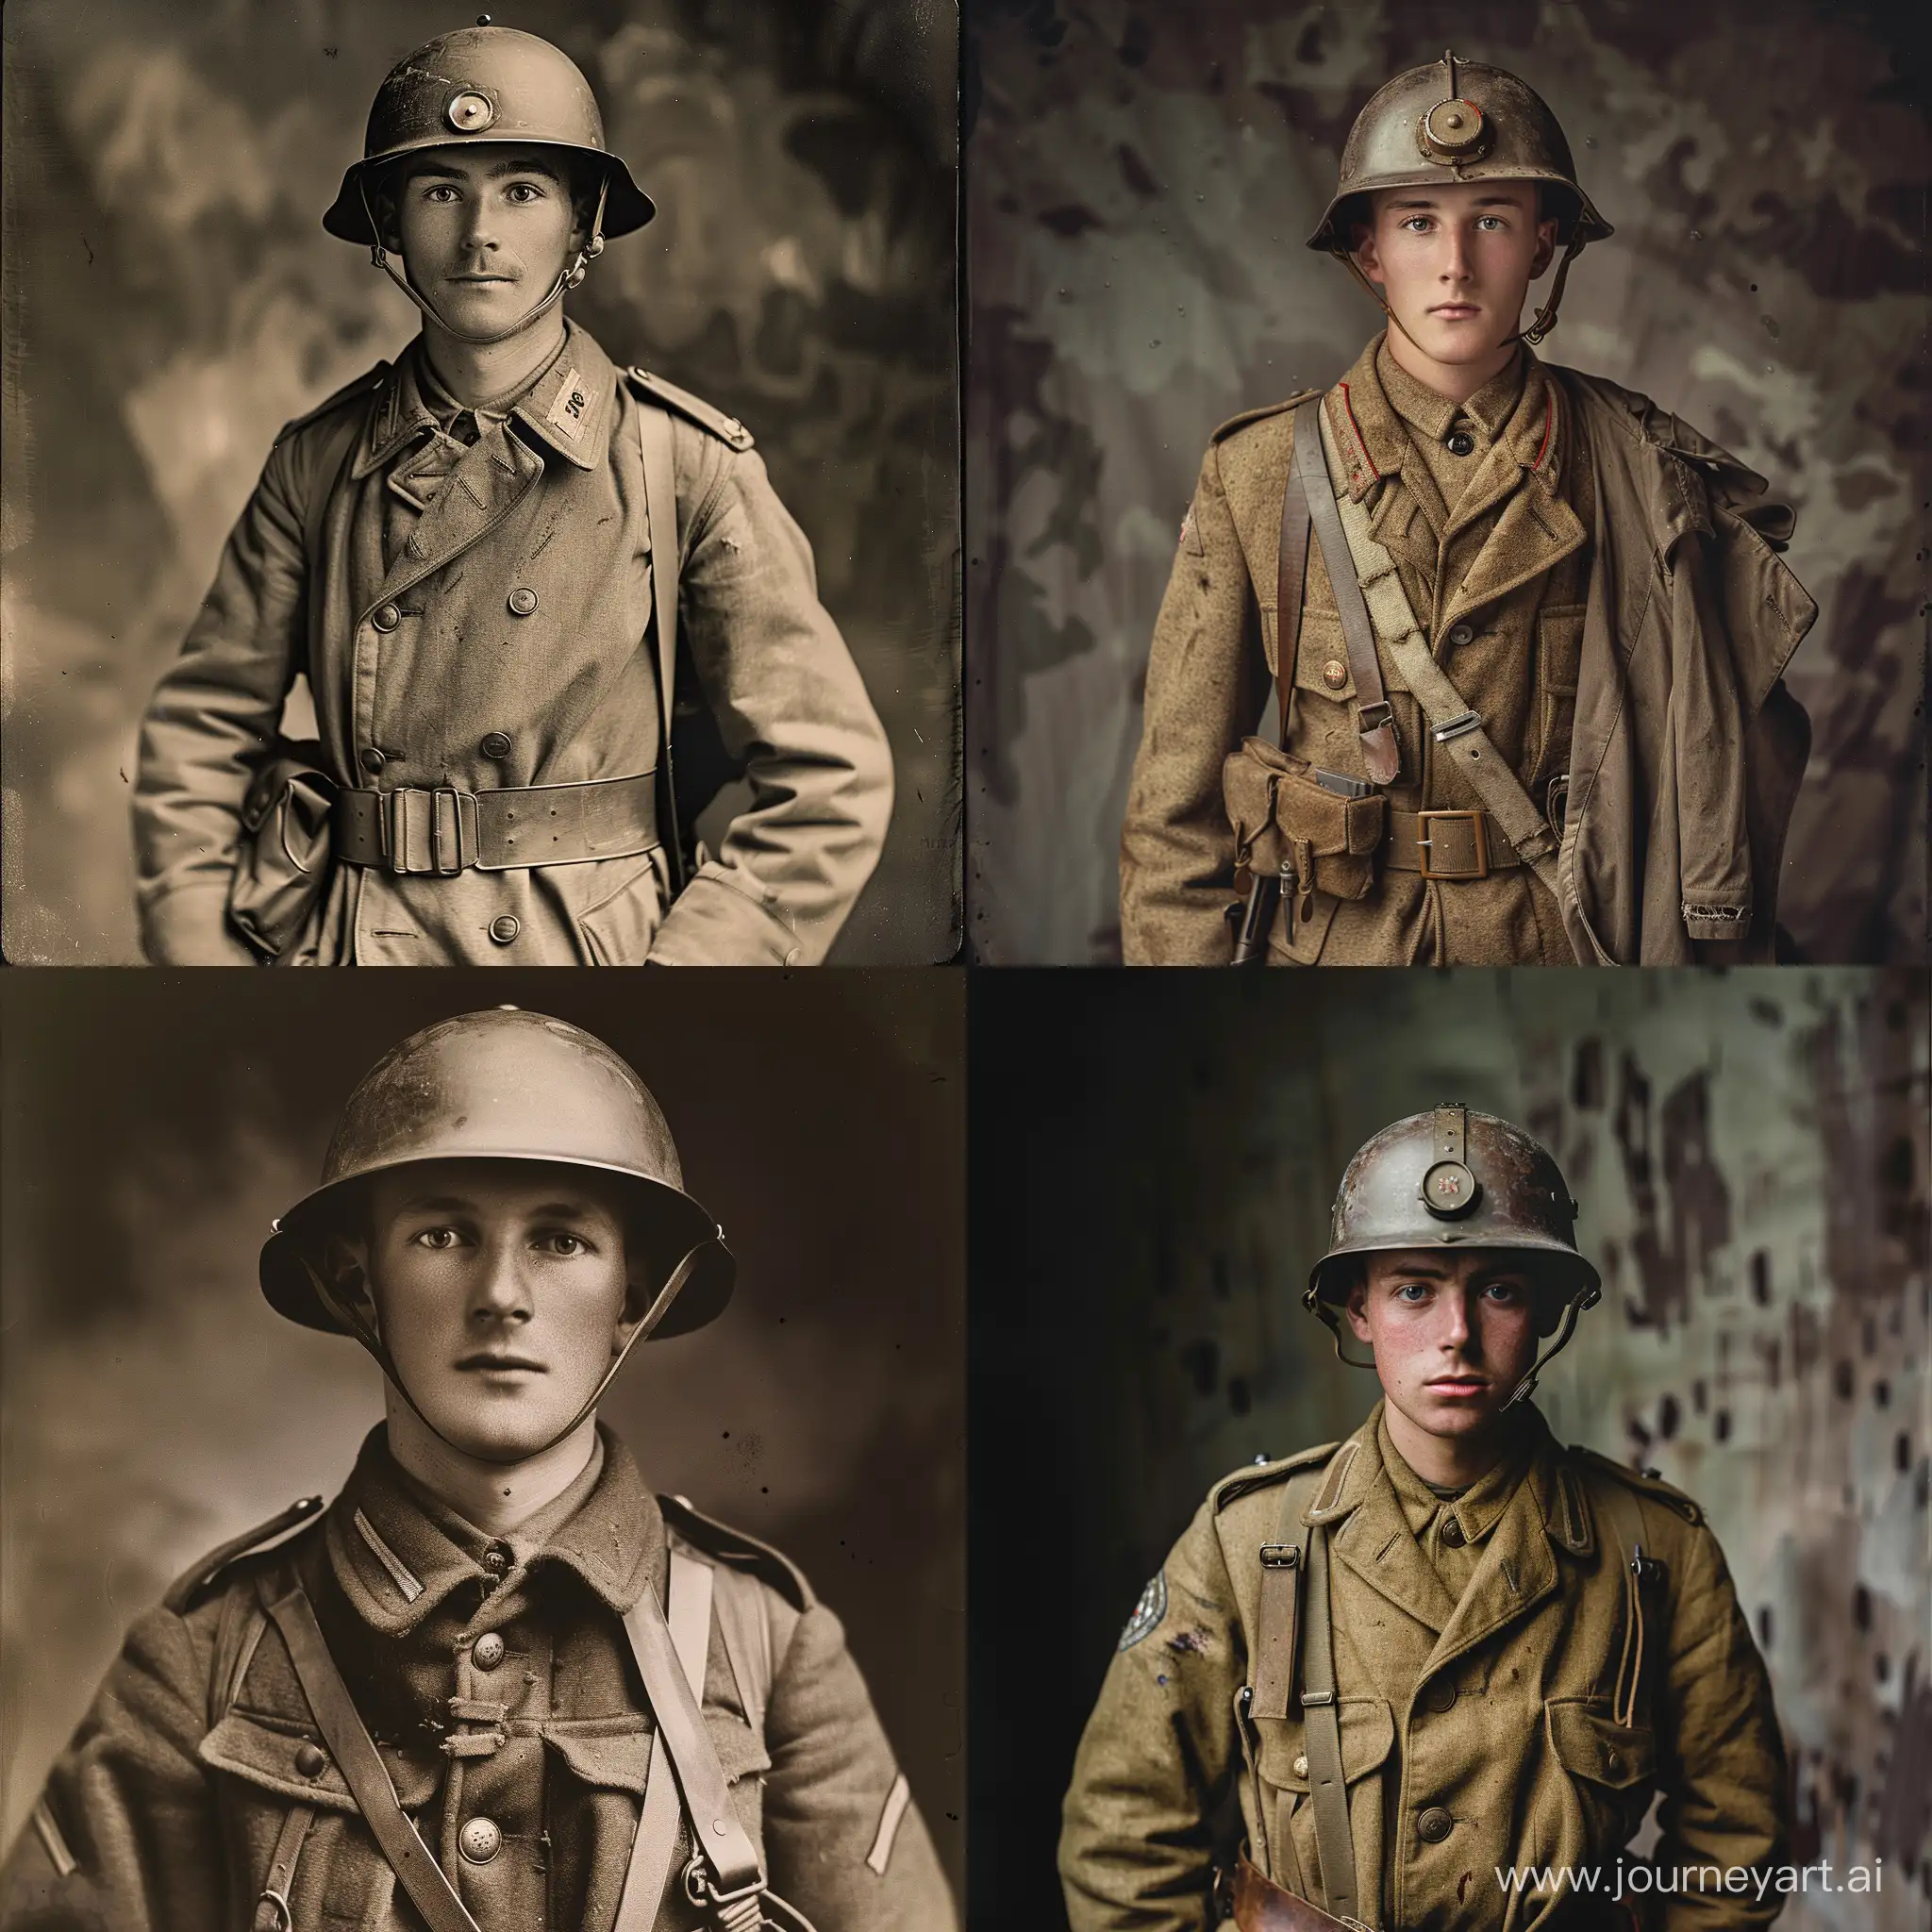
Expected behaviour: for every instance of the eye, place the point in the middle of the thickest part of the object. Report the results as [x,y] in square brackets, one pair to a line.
[522,192]
[1416,223]
[1506,1292]
[1494,221]
[1413,1292]
[561,1241]
[438,1239]
[440,191]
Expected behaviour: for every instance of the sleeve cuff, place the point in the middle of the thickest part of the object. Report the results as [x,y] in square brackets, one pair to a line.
[712,923]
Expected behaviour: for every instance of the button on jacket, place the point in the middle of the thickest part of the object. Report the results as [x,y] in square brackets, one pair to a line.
[1480,1646]
[497,1681]
[482,617]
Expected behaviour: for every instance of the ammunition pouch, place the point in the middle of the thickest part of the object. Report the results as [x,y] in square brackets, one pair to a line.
[1281,815]
[282,865]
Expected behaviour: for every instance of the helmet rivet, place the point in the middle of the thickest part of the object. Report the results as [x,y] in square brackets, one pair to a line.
[1452,130]
[469,112]
[482,20]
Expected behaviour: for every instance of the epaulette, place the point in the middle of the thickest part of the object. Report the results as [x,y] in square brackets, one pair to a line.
[202,1576]
[1647,1480]
[368,379]
[741,1551]
[694,408]
[1260,1473]
[1247,416]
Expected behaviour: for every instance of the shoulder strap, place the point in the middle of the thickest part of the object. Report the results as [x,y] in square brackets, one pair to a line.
[1327,1782]
[1368,591]
[205,1575]
[1374,720]
[660,513]
[725,428]
[1284,1563]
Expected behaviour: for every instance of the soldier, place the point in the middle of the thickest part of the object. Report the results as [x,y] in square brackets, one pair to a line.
[1528,706]
[488,560]
[1447,1650]
[497,1676]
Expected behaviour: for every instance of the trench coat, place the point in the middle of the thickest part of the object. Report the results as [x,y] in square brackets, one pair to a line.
[1478,1733]
[497,1682]
[1686,748]
[508,644]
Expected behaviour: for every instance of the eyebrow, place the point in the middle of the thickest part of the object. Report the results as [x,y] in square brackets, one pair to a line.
[510,164]
[1481,201]
[465,1203]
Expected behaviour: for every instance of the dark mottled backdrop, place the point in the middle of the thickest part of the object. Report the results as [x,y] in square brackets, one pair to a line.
[151,1404]
[1141,180]
[170,300]
[1153,1161]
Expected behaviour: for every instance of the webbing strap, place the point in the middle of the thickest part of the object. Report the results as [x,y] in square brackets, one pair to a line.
[356,1757]
[1327,1785]
[1377,592]
[653,1849]
[660,513]
[1290,582]
[273,1911]
[1283,1566]
[1630,1526]
[1373,720]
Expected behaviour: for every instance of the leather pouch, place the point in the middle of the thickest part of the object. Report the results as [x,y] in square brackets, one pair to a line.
[1280,813]
[283,863]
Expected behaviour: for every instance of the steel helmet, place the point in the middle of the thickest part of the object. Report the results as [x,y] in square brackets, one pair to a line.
[507,1085]
[1456,1178]
[1460,120]
[486,84]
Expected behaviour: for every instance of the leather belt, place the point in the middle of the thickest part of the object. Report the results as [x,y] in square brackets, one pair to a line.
[1448,844]
[446,830]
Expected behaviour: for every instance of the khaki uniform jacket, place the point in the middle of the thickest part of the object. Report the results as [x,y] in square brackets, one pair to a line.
[1494,1709]
[1685,750]
[162,1814]
[423,674]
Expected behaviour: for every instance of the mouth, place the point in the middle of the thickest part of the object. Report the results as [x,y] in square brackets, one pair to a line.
[1455,311]
[485,281]
[484,1364]
[1458,1385]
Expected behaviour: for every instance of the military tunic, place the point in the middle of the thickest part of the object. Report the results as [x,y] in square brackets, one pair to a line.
[1482,1643]
[497,1681]
[479,616]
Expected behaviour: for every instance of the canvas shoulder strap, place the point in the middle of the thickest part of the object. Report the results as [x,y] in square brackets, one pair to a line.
[1327,1782]
[660,513]
[1366,582]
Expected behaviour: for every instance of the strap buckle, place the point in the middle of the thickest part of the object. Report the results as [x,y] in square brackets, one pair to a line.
[428,830]
[1281,1556]
[742,1910]
[273,1912]
[1478,825]
[1457,726]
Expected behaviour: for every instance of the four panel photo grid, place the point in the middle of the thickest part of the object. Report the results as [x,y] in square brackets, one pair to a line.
[938,1443]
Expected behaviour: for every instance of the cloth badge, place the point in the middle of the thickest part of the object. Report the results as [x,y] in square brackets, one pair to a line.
[1147,1612]
[573,404]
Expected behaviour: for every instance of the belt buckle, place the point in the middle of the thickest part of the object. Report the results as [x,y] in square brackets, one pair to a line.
[1476,820]
[432,829]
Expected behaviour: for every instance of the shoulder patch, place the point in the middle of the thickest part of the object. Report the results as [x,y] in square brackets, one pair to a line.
[1148,1612]
[654,388]
[1267,410]
[200,1577]
[368,379]
[740,1551]
[1646,1480]
[1262,1476]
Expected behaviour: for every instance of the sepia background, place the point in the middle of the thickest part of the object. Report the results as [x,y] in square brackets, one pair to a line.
[1153,1158]
[171,300]
[1141,182]
[152,1405]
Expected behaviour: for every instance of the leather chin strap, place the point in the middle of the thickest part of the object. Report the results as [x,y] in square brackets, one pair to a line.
[353,1321]
[567,279]
[1546,319]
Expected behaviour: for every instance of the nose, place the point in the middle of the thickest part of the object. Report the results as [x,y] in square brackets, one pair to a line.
[1456,263]
[500,1291]
[480,223]
[1457,1328]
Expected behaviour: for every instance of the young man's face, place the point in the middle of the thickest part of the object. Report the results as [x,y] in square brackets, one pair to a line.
[484,231]
[500,1291]
[1455,261]
[1452,1333]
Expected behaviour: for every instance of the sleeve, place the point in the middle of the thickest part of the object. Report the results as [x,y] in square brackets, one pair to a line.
[1158,1755]
[1720,1755]
[844,1842]
[216,708]
[1206,679]
[792,707]
[124,1834]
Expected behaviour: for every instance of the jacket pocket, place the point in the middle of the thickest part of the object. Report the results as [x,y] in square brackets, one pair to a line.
[1559,659]
[1279,813]
[1368,1736]
[1608,1770]
[618,929]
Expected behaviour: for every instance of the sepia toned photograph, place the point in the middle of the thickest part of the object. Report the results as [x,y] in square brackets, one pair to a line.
[480,488]
[1445,483]
[472,1464]
[1493,1420]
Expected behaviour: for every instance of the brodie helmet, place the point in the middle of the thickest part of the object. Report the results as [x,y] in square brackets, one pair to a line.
[1460,120]
[488,84]
[507,1085]
[1456,1178]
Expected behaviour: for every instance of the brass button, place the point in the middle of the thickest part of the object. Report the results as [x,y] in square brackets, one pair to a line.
[1440,1694]
[1335,674]
[1300,1767]
[311,1761]
[387,617]
[504,928]
[1461,444]
[1451,1532]
[480,1839]
[521,601]
[1614,1763]
[1460,634]
[373,761]
[496,744]
[1435,1824]
[499,1557]
[486,1653]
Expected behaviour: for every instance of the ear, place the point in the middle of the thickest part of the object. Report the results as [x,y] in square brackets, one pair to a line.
[1367,256]
[1356,1308]
[1546,249]
[346,1262]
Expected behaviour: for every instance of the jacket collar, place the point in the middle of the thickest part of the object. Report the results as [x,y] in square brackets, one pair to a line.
[398,1552]
[565,407]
